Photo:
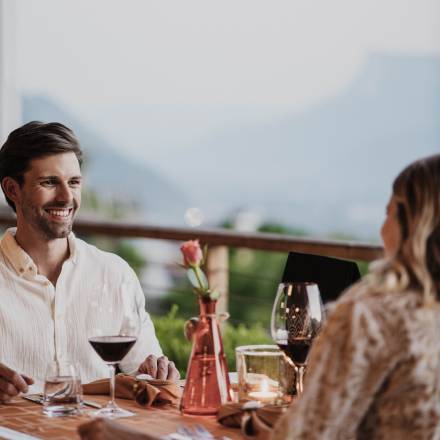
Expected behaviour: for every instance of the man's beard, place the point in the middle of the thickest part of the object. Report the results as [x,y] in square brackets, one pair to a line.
[37,218]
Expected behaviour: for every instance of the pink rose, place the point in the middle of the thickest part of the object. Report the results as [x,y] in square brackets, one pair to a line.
[192,254]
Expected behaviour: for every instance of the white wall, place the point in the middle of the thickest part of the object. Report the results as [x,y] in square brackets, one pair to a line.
[10,112]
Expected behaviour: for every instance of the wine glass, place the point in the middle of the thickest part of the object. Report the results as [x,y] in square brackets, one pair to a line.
[112,346]
[297,317]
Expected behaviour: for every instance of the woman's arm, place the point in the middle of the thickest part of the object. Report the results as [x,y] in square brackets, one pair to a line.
[348,363]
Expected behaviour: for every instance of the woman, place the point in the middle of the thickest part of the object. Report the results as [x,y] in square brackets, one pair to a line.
[374,373]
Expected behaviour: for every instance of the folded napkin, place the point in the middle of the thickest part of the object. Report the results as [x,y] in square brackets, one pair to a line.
[253,420]
[145,392]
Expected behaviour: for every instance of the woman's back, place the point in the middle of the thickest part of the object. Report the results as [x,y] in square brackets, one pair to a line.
[374,373]
[407,405]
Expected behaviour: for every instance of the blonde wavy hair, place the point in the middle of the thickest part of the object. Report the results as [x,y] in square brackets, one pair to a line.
[416,264]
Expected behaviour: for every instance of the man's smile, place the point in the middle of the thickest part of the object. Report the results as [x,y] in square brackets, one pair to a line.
[59,213]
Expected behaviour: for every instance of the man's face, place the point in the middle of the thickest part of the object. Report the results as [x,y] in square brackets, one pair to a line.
[50,195]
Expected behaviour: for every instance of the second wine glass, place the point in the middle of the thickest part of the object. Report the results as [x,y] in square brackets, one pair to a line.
[297,317]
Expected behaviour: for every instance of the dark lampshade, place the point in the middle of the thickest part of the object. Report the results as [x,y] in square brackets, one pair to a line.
[332,275]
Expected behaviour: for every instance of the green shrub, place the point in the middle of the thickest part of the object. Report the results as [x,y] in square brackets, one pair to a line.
[169,331]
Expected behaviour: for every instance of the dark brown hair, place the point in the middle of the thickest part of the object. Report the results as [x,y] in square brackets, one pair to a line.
[34,140]
[417,193]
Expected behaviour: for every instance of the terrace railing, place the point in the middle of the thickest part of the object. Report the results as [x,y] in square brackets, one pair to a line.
[220,240]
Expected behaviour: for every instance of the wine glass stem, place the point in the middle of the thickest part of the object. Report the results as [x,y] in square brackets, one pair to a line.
[299,373]
[111,368]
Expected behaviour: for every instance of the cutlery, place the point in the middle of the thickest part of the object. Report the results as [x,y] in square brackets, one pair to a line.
[197,432]
[38,398]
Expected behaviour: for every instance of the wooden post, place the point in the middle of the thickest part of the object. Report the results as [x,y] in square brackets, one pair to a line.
[217,271]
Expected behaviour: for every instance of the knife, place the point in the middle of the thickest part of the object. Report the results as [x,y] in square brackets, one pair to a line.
[38,398]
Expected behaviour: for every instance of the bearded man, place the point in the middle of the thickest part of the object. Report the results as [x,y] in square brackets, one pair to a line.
[48,277]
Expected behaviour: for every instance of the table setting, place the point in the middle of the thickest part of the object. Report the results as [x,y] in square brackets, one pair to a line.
[210,402]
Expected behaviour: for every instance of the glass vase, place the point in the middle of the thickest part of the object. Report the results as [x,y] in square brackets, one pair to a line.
[207,384]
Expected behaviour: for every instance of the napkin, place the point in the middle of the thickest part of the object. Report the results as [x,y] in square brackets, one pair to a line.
[253,421]
[145,392]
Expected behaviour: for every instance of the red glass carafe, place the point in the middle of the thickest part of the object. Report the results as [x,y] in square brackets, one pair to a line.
[207,384]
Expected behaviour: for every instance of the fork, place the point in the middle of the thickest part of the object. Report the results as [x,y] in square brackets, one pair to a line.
[198,432]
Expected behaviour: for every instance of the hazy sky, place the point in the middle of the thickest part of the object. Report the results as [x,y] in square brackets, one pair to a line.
[275,54]
[151,76]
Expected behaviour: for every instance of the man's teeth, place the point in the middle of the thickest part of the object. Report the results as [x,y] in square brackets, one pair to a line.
[59,212]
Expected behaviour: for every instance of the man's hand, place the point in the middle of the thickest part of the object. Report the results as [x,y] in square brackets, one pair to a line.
[103,429]
[159,368]
[12,383]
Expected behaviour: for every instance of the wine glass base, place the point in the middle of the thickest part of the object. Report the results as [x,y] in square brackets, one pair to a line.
[113,412]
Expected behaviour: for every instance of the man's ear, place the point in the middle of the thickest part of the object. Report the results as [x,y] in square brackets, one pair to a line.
[11,188]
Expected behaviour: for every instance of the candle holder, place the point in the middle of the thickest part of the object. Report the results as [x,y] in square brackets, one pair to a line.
[261,374]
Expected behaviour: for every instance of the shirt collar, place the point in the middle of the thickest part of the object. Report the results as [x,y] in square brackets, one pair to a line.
[21,261]
[73,248]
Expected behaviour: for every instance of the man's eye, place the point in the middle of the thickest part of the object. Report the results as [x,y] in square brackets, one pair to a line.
[47,182]
[75,183]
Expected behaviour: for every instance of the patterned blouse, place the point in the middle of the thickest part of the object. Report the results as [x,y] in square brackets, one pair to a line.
[374,372]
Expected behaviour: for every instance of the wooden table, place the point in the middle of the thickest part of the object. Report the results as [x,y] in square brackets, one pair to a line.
[24,416]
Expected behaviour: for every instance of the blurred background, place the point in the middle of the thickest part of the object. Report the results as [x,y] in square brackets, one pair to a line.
[280,116]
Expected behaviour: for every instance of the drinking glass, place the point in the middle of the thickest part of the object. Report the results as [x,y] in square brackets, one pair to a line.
[297,317]
[260,370]
[112,348]
[62,390]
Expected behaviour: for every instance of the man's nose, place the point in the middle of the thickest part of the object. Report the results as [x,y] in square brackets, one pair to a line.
[64,194]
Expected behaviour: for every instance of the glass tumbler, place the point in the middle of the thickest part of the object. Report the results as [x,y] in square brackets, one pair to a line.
[62,390]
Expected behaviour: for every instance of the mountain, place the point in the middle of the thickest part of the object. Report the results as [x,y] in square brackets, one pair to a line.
[326,169]
[111,173]
[331,167]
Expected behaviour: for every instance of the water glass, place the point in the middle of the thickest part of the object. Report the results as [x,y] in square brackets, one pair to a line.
[62,390]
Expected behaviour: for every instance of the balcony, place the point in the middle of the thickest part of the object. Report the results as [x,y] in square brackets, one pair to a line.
[219,242]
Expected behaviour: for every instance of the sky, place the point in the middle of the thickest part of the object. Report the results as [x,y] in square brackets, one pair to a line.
[274,54]
[155,76]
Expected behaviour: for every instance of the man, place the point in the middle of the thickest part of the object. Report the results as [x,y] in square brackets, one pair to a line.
[56,290]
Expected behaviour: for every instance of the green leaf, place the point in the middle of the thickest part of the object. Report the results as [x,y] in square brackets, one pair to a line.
[201,283]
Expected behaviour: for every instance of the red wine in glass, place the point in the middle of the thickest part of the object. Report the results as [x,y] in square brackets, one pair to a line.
[112,349]
[297,350]
[297,317]
[114,345]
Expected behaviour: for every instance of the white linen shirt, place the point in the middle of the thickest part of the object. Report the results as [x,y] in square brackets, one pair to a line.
[40,322]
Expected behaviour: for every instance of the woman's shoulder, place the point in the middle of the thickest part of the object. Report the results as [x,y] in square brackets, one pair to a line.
[363,294]
[368,311]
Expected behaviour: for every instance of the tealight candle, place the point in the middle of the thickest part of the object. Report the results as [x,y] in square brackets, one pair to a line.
[260,371]
[264,395]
